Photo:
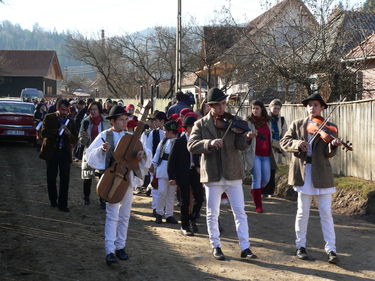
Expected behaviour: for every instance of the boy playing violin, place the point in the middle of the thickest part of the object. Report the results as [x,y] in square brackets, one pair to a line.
[311,175]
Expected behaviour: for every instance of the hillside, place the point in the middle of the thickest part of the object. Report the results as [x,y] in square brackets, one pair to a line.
[14,37]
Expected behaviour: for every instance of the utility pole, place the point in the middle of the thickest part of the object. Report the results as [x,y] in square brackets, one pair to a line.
[178,49]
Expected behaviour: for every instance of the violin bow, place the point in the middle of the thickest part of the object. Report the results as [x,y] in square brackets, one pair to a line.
[326,121]
[238,110]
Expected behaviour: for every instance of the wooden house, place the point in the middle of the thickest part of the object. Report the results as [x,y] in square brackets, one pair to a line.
[21,69]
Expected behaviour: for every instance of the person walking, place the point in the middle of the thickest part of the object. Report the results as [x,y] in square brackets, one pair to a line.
[221,171]
[310,173]
[166,190]
[99,156]
[262,151]
[91,126]
[59,137]
[183,171]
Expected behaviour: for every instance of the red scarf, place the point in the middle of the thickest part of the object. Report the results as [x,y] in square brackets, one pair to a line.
[95,121]
[259,122]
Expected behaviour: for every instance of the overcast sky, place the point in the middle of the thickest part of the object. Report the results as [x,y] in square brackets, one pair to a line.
[119,16]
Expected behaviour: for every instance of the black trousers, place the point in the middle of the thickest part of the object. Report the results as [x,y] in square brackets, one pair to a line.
[87,187]
[270,187]
[59,164]
[194,185]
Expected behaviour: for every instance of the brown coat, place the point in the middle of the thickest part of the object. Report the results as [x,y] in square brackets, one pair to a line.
[221,163]
[321,170]
[49,132]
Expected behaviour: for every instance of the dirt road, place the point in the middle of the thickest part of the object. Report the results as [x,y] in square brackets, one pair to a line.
[40,243]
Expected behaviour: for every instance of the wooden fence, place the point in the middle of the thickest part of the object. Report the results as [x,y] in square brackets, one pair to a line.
[159,104]
[356,123]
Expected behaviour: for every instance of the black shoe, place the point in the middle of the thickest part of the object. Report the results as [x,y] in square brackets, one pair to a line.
[110,258]
[154,213]
[158,219]
[171,220]
[87,200]
[248,254]
[148,193]
[64,209]
[332,257]
[302,254]
[194,227]
[186,231]
[53,204]
[218,254]
[122,255]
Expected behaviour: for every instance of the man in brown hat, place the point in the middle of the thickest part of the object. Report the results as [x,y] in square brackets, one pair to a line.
[221,171]
[311,175]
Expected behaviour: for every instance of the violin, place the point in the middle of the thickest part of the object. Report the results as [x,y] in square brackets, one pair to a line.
[114,183]
[318,126]
[237,126]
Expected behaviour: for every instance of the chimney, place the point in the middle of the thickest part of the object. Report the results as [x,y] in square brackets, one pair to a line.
[103,36]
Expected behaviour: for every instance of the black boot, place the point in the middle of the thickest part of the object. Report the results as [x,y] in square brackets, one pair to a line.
[110,259]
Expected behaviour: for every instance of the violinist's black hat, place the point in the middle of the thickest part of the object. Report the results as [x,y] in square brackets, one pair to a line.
[116,111]
[314,96]
[171,126]
[215,95]
[189,121]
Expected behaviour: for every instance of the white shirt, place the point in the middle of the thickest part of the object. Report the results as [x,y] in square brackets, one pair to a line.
[149,140]
[162,169]
[308,187]
[96,157]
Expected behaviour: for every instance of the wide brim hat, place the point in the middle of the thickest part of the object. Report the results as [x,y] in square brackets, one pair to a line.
[215,95]
[115,111]
[314,96]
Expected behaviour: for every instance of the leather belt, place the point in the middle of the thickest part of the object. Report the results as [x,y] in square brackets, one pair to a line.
[308,160]
[165,156]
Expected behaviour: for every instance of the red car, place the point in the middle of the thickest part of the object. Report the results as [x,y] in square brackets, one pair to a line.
[17,120]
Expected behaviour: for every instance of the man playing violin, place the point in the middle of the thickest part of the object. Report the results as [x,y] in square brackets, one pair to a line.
[221,171]
[311,175]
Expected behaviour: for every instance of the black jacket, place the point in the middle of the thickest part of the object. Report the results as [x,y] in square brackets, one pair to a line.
[179,161]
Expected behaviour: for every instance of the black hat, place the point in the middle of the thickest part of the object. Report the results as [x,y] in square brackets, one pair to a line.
[189,121]
[171,126]
[158,115]
[215,95]
[108,100]
[314,96]
[115,111]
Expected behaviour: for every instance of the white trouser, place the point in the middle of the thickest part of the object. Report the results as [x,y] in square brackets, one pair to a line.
[326,220]
[236,200]
[166,196]
[155,194]
[117,222]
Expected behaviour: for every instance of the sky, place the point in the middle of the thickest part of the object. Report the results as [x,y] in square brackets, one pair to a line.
[120,16]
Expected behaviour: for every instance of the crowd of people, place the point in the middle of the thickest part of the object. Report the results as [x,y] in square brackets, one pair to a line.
[190,157]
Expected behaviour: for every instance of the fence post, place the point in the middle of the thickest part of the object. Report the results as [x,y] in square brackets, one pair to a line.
[141,95]
[157,91]
[152,98]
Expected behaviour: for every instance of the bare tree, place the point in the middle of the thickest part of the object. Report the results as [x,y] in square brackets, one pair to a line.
[295,50]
